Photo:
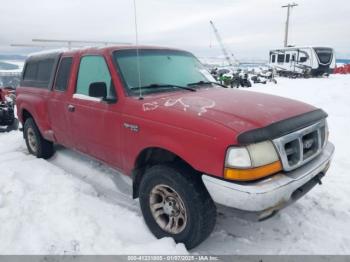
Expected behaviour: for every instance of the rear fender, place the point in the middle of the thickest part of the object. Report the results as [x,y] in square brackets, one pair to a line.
[38,111]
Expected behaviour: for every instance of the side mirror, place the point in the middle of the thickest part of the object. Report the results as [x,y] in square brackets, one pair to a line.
[98,90]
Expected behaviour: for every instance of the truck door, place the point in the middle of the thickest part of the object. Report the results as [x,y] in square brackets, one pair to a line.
[95,124]
[57,104]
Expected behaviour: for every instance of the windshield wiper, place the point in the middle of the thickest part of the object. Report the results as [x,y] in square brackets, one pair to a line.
[154,86]
[205,83]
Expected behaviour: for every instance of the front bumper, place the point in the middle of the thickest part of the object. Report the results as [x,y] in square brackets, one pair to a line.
[273,193]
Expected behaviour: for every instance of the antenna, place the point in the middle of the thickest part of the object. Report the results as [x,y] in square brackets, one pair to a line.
[137,51]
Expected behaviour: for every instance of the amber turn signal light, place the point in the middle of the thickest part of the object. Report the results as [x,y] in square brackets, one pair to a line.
[252,173]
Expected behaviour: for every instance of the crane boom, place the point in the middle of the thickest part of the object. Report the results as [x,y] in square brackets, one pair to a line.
[223,49]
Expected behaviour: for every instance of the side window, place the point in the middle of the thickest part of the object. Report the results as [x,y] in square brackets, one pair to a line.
[38,73]
[63,74]
[302,59]
[31,71]
[93,69]
[293,57]
[44,70]
[280,58]
[287,58]
[273,58]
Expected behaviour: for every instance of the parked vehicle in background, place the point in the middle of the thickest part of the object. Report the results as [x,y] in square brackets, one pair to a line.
[231,78]
[264,76]
[240,79]
[344,69]
[8,122]
[302,61]
[155,114]
[7,91]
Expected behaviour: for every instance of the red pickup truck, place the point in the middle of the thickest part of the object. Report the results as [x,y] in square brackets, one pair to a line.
[156,115]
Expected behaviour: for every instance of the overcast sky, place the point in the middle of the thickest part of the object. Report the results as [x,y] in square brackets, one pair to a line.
[249,28]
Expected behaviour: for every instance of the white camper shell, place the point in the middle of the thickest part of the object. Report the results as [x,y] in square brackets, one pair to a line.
[303,61]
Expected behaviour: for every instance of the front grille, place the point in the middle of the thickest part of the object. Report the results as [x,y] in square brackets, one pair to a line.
[299,147]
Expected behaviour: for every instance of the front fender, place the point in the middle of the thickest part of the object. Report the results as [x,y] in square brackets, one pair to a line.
[203,153]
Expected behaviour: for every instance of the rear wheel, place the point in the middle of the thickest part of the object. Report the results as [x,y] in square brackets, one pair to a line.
[175,203]
[36,144]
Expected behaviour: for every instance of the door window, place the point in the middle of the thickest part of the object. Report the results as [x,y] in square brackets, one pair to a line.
[94,69]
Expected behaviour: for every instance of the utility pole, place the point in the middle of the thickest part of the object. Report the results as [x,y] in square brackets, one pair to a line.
[289,6]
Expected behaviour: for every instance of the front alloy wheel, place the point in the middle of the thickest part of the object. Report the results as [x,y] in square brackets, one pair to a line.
[168,209]
[175,203]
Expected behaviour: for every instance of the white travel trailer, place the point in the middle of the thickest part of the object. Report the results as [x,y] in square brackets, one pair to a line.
[302,61]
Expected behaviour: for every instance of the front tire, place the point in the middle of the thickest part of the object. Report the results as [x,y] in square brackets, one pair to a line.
[36,144]
[175,203]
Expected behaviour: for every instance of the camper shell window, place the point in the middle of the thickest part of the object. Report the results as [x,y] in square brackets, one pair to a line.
[39,70]
[31,71]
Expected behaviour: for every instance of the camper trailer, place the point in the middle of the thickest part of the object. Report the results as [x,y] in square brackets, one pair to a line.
[302,61]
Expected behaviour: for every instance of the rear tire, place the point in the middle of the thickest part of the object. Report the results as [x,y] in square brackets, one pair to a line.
[186,205]
[36,144]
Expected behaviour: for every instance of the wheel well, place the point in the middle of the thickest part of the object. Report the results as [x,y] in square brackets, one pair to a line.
[25,115]
[150,157]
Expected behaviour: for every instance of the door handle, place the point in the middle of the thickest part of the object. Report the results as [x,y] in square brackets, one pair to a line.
[71,108]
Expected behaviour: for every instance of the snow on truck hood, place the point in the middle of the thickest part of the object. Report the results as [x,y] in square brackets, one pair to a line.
[239,110]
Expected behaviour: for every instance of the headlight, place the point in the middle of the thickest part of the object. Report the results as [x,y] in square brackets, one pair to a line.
[251,162]
[238,157]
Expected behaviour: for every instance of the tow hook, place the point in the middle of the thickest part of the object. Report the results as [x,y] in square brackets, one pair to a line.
[318,178]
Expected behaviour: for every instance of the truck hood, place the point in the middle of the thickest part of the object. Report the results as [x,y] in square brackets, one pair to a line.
[238,110]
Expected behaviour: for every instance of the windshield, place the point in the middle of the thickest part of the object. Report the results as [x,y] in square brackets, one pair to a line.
[160,70]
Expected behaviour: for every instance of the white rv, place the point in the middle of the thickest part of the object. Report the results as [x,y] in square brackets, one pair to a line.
[302,61]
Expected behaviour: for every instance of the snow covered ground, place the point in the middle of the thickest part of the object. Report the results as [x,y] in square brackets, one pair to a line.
[74,205]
